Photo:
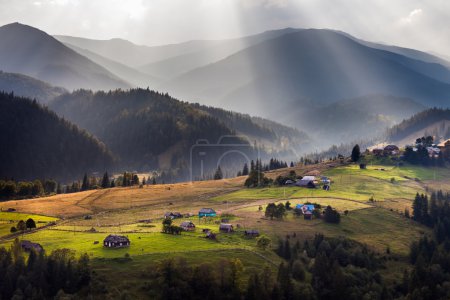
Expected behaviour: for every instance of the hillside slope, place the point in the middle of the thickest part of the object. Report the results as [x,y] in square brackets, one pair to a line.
[150,130]
[29,87]
[434,121]
[39,144]
[32,52]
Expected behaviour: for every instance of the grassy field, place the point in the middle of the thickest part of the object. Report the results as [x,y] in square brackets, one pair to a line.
[9,219]
[379,223]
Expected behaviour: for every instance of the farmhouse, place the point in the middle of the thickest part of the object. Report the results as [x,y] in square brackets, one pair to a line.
[307,215]
[116,241]
[187,226]
[29,246]
[307,181]
[226,227]
[391,150]
[445,146]
[306,209]
[377,151]
[251,233]
[206,212]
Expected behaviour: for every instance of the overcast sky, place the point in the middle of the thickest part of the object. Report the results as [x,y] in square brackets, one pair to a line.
[418,24]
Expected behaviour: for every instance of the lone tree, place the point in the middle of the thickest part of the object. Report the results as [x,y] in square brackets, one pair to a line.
[331,215]
[21,226]
[356,153]
[30,224]
[105,181]
[85,184]
[218,175]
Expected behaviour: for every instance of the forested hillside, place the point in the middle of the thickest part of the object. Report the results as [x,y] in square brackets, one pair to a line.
[140,126]
[150,130]
[36,143]
[434,121]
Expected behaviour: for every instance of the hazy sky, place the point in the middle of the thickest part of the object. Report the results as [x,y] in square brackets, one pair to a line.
[413,23]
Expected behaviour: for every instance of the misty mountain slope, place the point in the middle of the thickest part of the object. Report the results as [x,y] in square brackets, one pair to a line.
[133,55]
[39,144]
[27,50]
[209,53]
[434,121]
[143,127]
[269,133]
[288,72]
[359,118]
[133,76]
[26,86]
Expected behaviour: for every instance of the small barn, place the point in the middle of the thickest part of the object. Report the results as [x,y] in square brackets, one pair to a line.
[173,215]
[28,246]
[187,226]
[116,241]
[207,212]
[224,227]
[251,233]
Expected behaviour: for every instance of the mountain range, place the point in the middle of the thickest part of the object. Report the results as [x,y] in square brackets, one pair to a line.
[329,84]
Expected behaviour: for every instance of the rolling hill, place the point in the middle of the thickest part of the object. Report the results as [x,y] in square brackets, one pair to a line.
[29,87]
[39,144]
[32,52]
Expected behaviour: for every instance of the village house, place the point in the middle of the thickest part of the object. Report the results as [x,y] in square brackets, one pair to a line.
[433,152]
[307,181]
[391,150]
[251,233]
[377,151]
[28,246]
[307,215]
[306,209]
[188,226]
[444,146]
[116,241]
[226,227]
[206,212]
[173,215]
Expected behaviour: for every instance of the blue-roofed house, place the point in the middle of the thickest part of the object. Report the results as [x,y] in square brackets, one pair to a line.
[306,209]
[206,212]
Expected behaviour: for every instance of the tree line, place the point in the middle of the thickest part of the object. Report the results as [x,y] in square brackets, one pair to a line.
[41,276]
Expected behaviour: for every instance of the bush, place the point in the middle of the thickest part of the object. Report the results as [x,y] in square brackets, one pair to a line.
[331,215]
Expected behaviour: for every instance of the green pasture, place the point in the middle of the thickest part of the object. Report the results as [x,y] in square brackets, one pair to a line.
[10,219]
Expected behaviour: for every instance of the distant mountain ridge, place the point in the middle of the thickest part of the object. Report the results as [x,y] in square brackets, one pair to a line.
[29,87]
[32,52]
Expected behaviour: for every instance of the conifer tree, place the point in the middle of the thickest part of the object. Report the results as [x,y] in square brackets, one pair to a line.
[105,181]
[245,170]
[85,184]
[218,175]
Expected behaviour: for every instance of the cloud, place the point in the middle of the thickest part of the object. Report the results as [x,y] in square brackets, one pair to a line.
[413,16]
